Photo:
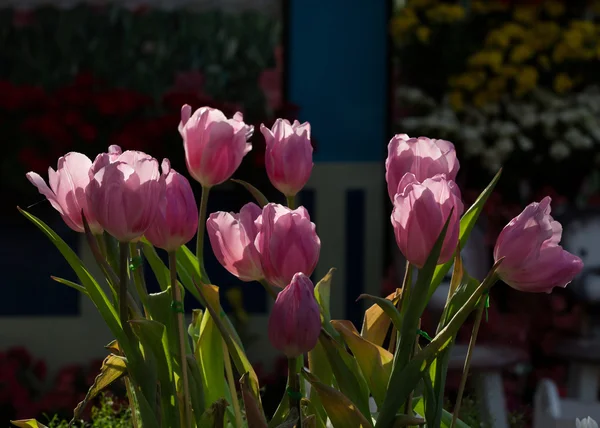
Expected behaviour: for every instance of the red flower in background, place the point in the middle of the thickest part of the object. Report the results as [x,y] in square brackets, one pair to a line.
[21,97]
[120,102]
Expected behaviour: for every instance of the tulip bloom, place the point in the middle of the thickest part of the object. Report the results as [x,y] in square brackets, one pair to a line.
[533,260]
[214,145]
[288,156]
[232,239]
[420,212]
[177,219]
[67,189]
[295,321]
[287,242]
[422,157]
[124,195]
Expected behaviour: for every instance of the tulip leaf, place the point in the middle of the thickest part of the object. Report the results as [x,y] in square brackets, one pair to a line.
[113,368]
[467,222]
[28,423]
[260,198]
[342,412]
[153,337]
[310,422]
[419,407]
[319,416]
[161,272]
[347,373]
[254,413]
[323,297]
[386,306]
[113,347]
[376,323]
[71,284]
[319,366]
[374,361]
[196,392]
[194,328]
[214,416]
[408,421]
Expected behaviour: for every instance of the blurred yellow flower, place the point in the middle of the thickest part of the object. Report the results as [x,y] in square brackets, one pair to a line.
[514,30]
[525,14]
[560,53]
[526,80]
[468,81]
[508,71]
[481,99]
[554,8]
[456,100]
[586,28]
[497,39]
[490,58]
[446,13]
[562,83]
[403,23]
[487,6]
[521,53]
[544,62]
[544,34]
[573,38]
[497,85]
[423,34]
[420,4]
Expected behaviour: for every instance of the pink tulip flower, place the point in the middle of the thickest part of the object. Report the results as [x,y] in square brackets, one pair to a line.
[232,239]
[177,219]
[533,260]
[124,195]
[422,157]
[288,155]
[295,321]
[287,242]
[420,212]
[214,145]
[67,189]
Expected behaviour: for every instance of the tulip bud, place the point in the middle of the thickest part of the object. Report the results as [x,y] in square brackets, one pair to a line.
[124,195]
[295,321]
[177,219]
[533,260]
[288,156]
[67,189]
[422,157]
[420,212]
[232,239]
[287,242]
[214,145]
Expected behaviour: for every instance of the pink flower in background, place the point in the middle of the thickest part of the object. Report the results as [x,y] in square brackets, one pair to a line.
[423,157]
[287,242]
[232,239]
[68,185]
[214,145]
[533,260]
[295,321]
[177,219]
[124,192]
[420,212]
[271,81]
[288,155]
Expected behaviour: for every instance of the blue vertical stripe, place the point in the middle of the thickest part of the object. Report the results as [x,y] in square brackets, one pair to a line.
[355,253]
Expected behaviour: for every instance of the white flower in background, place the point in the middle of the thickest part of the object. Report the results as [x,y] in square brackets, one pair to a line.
[492,159]
[411,123]
[491,109]
[578,139]
[568,116]
[559,150]
[504,146]
[524,143]
[548,119]
[585,423]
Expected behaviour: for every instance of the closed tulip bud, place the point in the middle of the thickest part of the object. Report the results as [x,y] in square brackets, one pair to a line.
[124,194]
[422,157]
[177,219]
[533,260]
[67,189]
[232,239]
[420,212]
[287,242]
[288,156]
[214,145]
[295,321]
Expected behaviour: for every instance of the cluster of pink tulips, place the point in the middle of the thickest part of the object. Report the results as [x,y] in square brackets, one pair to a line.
[127,197]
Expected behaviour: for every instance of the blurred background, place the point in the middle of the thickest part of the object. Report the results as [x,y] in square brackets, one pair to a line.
[510,83]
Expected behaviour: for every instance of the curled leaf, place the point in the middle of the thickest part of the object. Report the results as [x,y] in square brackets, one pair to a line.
[28,423]
[376,323]
[260,198]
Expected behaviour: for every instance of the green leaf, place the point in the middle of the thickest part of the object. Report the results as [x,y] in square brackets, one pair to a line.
[342,412]
[374,361]
[159,309]
[161,272]
[387,306]
[254,414]
[376,323]
[419,407]
[260,198]
[71,284]
[153,337]
[323,296]
[347,373]
[319,366]
[113,368]
[196,391]
[467,222]
[214,416]
[194,327]
[28,423]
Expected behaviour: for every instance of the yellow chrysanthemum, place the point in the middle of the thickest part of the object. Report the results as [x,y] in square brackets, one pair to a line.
[497,39]
[544,34]
[525,14]
[560,53]
[447,13]
[586,28]
[514,30]
[573,38]
[423,34]
[562,83]
[456,100]
[403,23]
[526,80]
[521,53]
[554,8]
[490,58]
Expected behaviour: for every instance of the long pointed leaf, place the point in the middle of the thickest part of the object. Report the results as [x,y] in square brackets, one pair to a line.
[376,323]
[260,198]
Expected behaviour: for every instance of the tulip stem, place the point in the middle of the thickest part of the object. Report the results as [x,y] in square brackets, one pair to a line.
[463,380]
[291,202]
[123,289]
[269,288]
[179,312]
[232,389]
[138,274]
[293,390]
[201,229]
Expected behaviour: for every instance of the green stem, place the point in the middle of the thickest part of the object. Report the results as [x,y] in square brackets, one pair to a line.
[234,398]
[293,389]
[269,288]
[406,287]
[123,292]
[463,380]
[178,304]
[201,229]
[291,202]
[138,274]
